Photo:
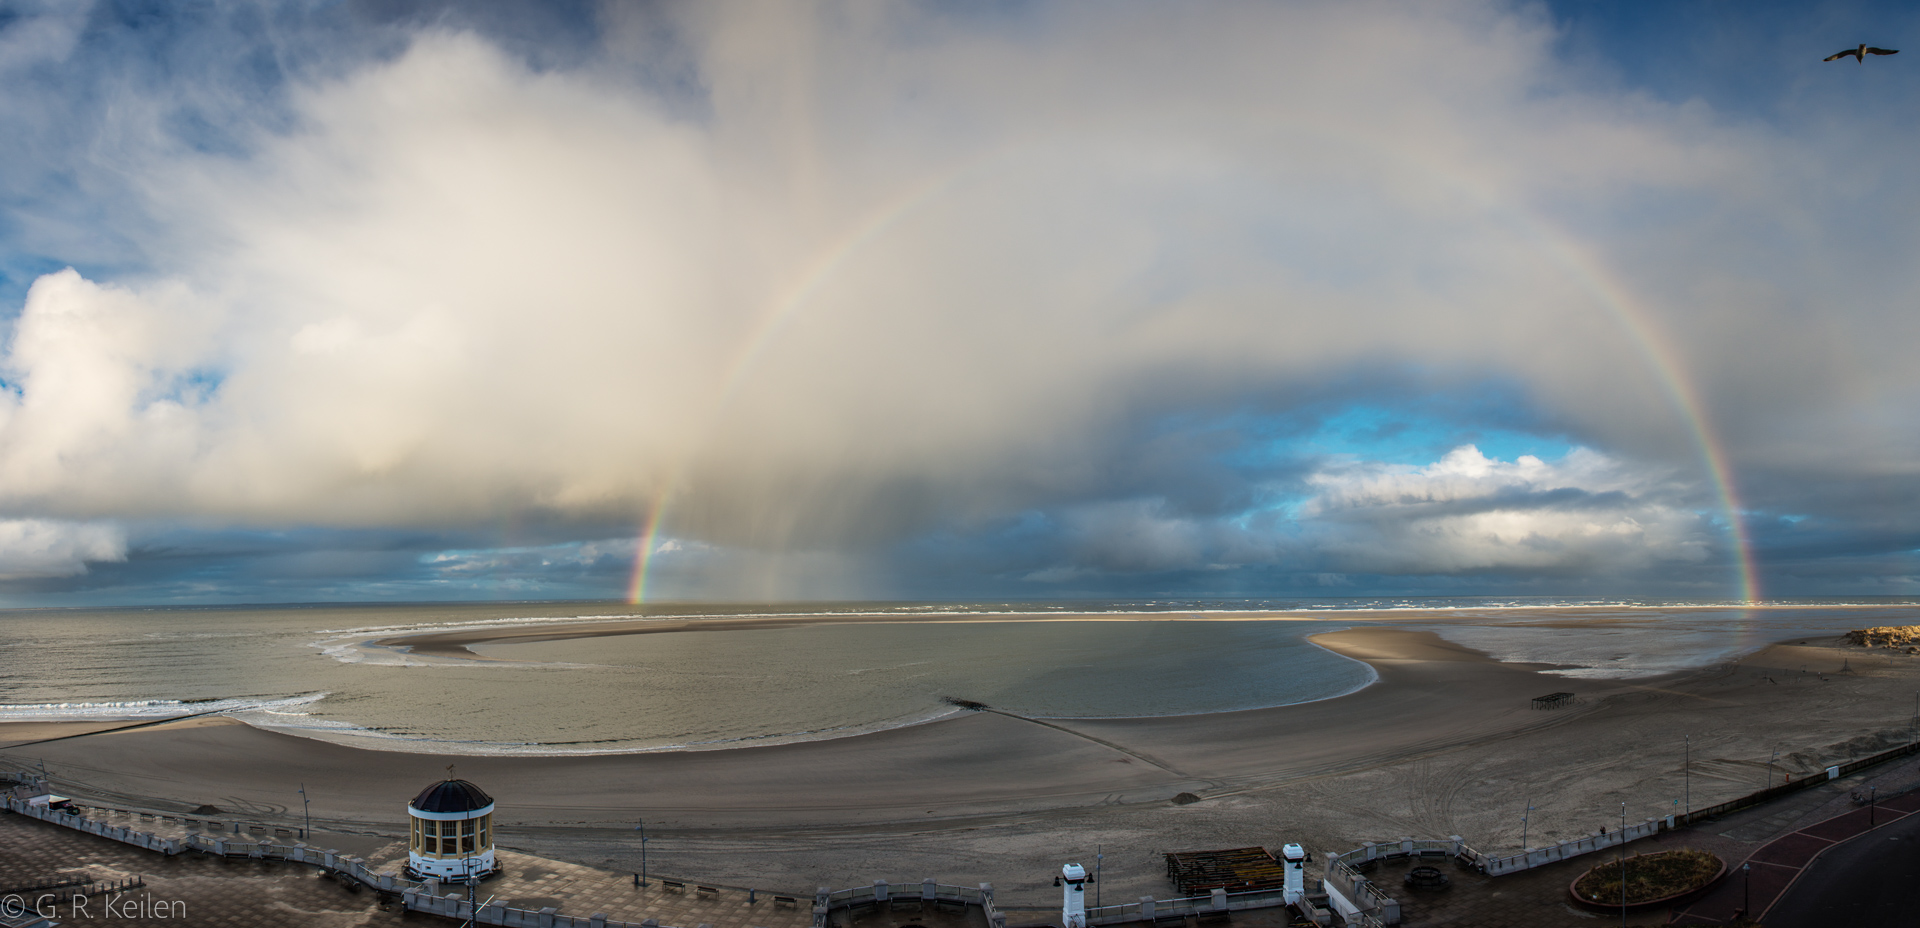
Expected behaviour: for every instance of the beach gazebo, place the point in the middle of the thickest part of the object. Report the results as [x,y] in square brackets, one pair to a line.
[451,834]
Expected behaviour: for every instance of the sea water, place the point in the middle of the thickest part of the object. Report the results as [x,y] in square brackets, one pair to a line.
[320,671]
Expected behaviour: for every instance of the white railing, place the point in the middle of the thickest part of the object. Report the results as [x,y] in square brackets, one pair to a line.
[1405,847]
[1360,896]
[1149,908]
[1570,848]
[884,892]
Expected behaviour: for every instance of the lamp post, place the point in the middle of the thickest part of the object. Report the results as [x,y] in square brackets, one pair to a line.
[1099,861]
[1623,865]
[1524,847]
[1746,889]
[1770,760]
[1686,767]
[1870,796]
[640,879]
[306,807]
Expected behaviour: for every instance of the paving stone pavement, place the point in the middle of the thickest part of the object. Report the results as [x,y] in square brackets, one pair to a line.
[530,882]
[259,893]
[209,891]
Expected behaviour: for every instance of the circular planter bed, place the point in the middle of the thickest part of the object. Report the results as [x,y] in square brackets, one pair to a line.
[1661,878]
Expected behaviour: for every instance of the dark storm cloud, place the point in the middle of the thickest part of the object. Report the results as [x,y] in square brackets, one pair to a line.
[866,297]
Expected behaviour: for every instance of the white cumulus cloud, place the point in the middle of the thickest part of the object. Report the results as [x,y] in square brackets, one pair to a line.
[32,548]
[1467,512]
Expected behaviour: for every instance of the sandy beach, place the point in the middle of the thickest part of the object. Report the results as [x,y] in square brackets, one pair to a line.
[462,642]
[1444,743]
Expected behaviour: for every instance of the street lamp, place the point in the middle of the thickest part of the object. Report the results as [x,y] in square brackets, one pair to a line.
[307,807]
[1099,860]
[1746,890]
[1623,865]
[1686,767]
[640,879]
[1870,791]
[1770,760]
[1524,847]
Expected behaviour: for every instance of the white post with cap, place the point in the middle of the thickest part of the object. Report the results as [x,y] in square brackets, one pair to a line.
[1296,867]
[1073,899]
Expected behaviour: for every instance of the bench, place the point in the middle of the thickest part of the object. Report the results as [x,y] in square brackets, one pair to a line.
[706,891]
[787,901]
[674,885]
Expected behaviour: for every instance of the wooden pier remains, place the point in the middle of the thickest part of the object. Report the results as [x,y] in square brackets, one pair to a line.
[1241,869]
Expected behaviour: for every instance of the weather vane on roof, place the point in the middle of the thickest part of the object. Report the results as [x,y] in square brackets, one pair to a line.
[1860,54]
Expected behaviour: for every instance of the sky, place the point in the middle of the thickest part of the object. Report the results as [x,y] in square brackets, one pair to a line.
[404,301]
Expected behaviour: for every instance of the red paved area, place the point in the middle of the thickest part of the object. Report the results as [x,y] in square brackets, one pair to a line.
[1777,864]
[1841,827]
[1792,850]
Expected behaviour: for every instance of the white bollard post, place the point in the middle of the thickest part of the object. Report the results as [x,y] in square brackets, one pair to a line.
[1073,896]
[1296,863]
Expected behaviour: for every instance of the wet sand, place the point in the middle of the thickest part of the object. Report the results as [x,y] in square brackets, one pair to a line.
[1431,694]
[1444,743]
[460,643]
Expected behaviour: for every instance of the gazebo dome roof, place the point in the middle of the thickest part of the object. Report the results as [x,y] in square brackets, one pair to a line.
[451,796]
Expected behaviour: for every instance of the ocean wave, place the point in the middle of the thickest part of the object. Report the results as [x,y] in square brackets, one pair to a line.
[154,708]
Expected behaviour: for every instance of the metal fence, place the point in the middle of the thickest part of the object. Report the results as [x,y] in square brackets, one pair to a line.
[1150,909]
[882,892]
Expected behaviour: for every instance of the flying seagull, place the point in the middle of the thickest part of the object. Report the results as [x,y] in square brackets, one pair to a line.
[1860,54]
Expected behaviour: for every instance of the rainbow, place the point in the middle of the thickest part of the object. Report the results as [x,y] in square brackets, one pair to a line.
[806,285]
[1680,389]
[1562,247]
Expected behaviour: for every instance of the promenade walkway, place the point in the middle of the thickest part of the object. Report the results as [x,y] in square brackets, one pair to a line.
[189,889]
[533,882]
[216,891]
[1778,863]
